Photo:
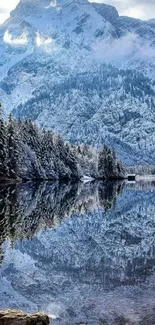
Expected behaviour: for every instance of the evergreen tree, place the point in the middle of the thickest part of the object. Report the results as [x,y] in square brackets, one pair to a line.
[108,166]
[102,163]
[13,146]
[3,147]
[48,155]
[27,152]
[71,161]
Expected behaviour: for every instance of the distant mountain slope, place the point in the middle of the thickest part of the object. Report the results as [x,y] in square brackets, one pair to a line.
[80,68]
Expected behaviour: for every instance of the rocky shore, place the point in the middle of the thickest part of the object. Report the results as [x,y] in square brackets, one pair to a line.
[16,317]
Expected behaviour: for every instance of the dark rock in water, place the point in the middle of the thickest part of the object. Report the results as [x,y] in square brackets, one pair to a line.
[16,317]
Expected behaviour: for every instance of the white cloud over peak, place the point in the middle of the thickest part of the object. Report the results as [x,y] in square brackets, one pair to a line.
[21,40]
[143,9]
[127,47]
[5,7]
[41,40]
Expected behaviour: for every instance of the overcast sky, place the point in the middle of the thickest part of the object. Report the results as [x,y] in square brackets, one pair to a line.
[143,9]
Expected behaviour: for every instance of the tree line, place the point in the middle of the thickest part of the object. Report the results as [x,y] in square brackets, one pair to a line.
[28,152]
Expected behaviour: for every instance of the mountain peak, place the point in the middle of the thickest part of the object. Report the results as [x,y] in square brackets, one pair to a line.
[108,12]
[73,21]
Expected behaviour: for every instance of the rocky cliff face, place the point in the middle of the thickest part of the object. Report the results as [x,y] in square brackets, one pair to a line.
[107,12]
[83,70]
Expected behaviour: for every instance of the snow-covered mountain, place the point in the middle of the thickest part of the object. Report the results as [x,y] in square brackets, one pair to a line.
[81,69]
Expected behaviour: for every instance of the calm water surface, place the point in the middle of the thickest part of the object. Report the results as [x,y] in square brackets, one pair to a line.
[82,253]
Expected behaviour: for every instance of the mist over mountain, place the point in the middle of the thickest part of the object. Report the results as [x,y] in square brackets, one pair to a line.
[84,71]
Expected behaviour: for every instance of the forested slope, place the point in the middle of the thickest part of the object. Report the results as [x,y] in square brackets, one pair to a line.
[28,152]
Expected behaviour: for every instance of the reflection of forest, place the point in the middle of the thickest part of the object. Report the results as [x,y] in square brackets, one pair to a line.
[25,208]
[97,266]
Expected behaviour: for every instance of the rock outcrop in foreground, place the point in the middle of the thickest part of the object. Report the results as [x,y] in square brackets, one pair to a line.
[16,317]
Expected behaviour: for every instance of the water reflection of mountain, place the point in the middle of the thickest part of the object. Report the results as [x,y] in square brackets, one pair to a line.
[96,267]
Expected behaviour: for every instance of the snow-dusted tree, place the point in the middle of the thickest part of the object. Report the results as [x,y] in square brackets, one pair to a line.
[3,147]
[71,161]
[108,166]
[48,155]
[102,163]
[13,147]
[27,152]
[65,160]
[32,137]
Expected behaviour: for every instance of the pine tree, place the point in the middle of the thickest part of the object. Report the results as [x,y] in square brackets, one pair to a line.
[71,161]
[32,138]
[108,166]
[48,156]
[102,163]
[13,153]
[3,148]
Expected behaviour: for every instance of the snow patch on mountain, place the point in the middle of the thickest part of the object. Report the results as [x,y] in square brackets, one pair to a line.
[40,40]
[22,40]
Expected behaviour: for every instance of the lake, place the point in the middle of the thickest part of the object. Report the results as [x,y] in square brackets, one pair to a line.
[84,253]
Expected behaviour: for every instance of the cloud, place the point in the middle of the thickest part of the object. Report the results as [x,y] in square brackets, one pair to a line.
[52,4]
[21,40]
[42,40]
[8,4]
[127,47]
[3,17]
[143,9]
[4,14]
[5,7]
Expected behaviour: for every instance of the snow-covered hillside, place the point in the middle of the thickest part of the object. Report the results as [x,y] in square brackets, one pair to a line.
[81,69]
